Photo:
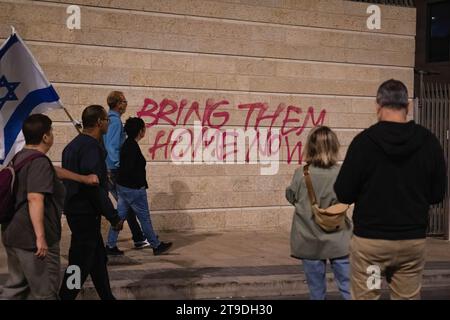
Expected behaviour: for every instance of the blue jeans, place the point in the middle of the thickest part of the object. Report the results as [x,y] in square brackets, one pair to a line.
[136,200]
[315,271]
[131,217]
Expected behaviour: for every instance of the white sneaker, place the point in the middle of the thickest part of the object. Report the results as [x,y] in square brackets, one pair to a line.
[141,244]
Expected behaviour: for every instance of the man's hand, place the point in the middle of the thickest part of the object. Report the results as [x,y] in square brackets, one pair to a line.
[42,248]
[64,174]
[118,226]
[91,180]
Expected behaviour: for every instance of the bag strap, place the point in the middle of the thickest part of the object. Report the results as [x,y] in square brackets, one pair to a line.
[28,159]
[309,186]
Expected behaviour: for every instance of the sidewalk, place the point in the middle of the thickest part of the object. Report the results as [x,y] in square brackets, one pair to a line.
[235,264]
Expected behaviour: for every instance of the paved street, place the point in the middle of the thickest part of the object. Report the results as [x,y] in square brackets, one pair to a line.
[229,265]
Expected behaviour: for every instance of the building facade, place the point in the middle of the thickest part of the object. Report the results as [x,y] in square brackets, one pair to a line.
[284,65]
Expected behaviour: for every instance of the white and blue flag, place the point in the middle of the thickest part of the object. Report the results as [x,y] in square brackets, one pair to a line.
[24,90]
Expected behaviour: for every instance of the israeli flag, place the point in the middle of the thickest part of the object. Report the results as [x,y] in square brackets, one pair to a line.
[24,90]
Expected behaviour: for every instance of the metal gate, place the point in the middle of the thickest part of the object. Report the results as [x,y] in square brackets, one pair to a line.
[431,110]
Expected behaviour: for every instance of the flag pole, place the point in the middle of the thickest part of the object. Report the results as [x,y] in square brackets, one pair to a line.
[75,123]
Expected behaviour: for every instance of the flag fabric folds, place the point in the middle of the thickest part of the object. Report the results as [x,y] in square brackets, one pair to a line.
[24,90]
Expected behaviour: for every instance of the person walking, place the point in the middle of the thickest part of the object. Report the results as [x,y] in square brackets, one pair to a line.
[85,205]
[31,236]
[113,139]
[132,185]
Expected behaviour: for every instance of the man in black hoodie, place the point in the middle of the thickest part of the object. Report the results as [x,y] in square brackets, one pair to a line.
[393,172]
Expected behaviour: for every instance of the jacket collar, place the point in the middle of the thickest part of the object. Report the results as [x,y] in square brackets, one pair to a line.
[113,113]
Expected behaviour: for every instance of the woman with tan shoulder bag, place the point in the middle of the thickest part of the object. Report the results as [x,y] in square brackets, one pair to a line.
[321,230]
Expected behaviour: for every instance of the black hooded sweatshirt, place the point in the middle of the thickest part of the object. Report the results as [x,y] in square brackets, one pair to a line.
[393,172]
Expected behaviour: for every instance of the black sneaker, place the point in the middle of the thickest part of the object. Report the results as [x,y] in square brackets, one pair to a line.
[163,247]
[114,251]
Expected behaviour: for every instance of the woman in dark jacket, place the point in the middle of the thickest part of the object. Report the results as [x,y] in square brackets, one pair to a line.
[132,185]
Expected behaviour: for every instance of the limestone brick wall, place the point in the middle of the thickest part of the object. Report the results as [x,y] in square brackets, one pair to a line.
[289,64]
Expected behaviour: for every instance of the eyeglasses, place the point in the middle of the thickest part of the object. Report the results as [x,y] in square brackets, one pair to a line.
[123,101]
[105,119]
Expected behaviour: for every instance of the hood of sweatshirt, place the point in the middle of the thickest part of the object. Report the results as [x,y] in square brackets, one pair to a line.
[398,139]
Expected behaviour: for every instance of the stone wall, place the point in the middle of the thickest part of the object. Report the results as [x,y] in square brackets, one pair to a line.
[295,64]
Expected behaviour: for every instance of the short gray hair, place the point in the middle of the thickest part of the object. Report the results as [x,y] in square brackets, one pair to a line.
[393,94]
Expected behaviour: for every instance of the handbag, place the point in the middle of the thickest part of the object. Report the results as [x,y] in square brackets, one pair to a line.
[330,219]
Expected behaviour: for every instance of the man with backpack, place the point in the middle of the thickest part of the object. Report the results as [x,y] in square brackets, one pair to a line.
[31,226]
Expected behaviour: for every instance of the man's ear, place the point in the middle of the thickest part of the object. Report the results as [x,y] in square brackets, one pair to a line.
[46,138]
[377,108]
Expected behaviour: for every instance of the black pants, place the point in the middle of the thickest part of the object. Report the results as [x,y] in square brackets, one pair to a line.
[135,228]
[87,251]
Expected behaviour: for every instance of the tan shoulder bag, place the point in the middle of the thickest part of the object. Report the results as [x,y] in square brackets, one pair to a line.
[331,219]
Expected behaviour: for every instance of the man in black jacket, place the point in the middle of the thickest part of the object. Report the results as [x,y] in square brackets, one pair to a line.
[393,172]
[84,206]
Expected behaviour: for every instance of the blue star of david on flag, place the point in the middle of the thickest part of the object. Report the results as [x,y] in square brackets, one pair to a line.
[10,87]
[24,90]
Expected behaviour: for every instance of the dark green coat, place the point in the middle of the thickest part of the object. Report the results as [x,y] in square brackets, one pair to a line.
[308,240]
